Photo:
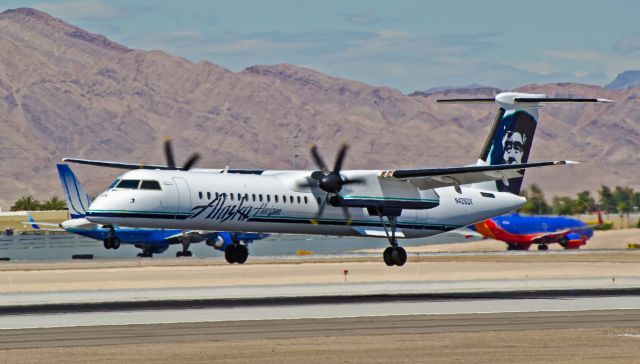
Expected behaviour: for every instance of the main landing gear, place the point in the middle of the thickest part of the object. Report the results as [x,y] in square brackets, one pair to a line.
[185,247]
[146,252]
[112,241]
[393,255]
[236,252]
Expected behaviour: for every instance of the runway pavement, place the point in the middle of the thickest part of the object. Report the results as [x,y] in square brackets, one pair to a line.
[465,308]
[300,328]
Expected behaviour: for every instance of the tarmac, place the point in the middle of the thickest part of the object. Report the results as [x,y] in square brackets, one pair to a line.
[554,306]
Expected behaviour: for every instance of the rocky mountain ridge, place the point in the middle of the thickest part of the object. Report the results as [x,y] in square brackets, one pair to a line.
[65,92]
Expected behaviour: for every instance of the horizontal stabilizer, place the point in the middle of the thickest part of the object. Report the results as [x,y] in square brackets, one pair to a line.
[559,99]
[467,101]
[505,99]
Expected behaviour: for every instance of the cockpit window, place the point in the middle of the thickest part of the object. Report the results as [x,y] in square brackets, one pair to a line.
[150,185]
[114,183]
[129,183]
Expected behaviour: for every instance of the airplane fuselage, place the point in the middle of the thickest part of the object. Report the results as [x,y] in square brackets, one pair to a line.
[273,202]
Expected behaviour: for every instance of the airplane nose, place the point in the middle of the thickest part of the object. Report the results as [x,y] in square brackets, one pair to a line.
[518,201]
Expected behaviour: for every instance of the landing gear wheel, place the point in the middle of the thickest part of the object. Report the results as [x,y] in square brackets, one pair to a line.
[115,242]
[242,254]
[184,253]
[107,244]
[230,254]
[543,247]
[388,260]
[395,256]
[399,256]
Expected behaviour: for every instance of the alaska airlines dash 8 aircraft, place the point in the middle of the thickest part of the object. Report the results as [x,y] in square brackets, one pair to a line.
[402,203]
[151,241]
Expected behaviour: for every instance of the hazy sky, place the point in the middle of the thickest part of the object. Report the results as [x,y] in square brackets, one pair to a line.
[408,45]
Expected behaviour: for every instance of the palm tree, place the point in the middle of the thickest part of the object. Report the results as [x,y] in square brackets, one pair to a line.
[26,203]
[54,204]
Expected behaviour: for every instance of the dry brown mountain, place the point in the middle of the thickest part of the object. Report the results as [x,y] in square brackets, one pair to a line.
[67,92]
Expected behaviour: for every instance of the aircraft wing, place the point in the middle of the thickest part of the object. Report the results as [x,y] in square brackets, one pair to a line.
[193,235]
[118,165]
[429,178]
[47,226]
[121,165]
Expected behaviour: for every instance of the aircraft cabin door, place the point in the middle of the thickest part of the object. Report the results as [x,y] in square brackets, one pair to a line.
[184,195]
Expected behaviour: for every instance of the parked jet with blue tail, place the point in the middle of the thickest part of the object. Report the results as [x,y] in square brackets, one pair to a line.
[151,241]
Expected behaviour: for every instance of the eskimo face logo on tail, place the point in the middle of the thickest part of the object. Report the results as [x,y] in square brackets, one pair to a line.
[513,140]
[513,147]
[512,144]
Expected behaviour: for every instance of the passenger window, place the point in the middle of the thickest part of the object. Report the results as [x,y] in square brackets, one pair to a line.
[284,199]
[131,184]
[275,198]
[239,197]
[268,198]
[253,197]
[231,196]
[260,196]
[305,200]
[200,194]
[298,199]
[246,197]
[291,199]
[208,195]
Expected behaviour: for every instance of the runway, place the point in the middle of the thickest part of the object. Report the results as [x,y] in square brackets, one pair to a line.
[479,308]
[300,328]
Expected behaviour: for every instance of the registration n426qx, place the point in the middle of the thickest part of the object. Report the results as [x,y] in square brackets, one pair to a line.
[393,204]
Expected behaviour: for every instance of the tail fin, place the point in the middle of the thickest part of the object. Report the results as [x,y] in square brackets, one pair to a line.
[33,222]
[511,136]
[78,200]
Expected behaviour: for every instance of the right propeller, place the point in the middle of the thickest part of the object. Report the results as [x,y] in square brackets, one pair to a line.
[168,153]
[330,181]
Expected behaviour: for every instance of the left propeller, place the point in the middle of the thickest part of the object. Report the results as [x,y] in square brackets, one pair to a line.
[171,164]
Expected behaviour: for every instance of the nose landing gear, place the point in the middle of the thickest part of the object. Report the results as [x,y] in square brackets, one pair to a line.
[112,241]
[185,241]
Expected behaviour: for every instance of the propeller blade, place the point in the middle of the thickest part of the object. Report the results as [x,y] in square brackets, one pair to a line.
[347,215]
[340,158]
[316,218]
[191,161]
[168,153]
[316,157]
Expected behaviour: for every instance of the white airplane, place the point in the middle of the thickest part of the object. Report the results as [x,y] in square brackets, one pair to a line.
[402,203]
